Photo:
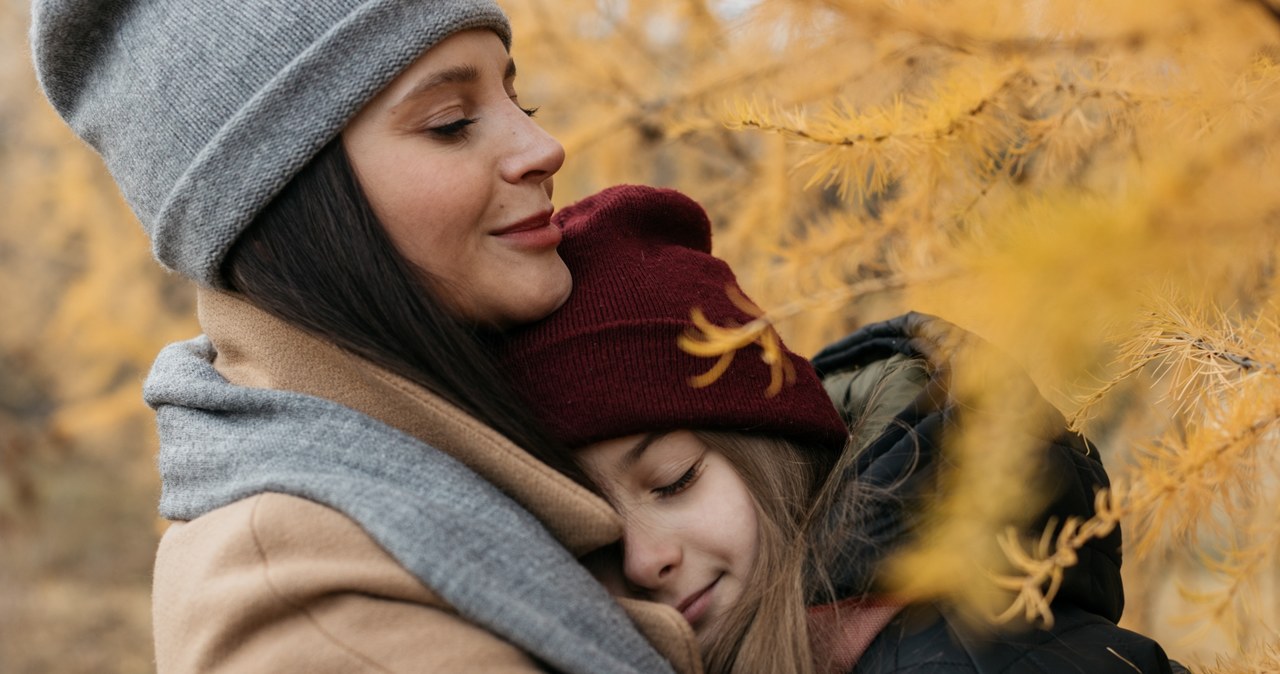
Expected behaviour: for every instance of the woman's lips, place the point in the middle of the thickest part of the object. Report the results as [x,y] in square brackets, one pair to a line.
[533,232]
[695,606]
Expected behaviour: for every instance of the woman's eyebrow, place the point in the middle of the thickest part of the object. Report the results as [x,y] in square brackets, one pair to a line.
[633,455]
[459,74]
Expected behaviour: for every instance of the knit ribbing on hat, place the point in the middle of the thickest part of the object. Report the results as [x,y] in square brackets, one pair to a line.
[607,364]
[203,109]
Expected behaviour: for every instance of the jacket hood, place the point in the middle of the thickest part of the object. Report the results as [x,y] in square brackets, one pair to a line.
[904,458]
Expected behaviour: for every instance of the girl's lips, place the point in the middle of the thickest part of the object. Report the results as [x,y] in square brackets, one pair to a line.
[695,606]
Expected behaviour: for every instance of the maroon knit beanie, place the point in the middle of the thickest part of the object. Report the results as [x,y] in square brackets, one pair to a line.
[607,363]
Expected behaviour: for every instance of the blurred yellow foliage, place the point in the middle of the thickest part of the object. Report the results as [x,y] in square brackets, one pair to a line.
[85,312]
[1090,185]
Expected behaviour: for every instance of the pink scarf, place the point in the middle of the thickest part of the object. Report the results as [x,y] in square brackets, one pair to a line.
[841,632]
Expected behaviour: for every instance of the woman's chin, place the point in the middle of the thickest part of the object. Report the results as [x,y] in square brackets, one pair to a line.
[559,289]
[533,299]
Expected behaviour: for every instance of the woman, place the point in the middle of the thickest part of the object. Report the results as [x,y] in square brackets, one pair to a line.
[742,509]
[359,194]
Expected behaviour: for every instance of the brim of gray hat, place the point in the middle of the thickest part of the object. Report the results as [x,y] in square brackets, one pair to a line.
[273,136]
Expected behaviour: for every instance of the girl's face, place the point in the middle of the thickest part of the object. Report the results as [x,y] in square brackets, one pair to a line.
[460,177]
[689,522]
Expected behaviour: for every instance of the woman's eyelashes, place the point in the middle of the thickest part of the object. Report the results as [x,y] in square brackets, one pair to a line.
[515,98]
[457,130]
[682,483]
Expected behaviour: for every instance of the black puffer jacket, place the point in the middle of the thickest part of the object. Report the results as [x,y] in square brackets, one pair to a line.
[896,373]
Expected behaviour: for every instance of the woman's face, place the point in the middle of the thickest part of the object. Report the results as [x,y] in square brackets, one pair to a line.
[460,177]
[689,522]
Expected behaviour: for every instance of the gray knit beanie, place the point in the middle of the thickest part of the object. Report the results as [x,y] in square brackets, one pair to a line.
[204,109]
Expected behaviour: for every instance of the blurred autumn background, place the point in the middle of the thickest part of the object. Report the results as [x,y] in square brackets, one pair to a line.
[1091,185]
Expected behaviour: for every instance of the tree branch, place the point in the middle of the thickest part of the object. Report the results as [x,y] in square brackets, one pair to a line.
[1266,6]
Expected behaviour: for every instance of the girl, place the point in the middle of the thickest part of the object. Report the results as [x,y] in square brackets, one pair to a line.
[743,510]
[357,190]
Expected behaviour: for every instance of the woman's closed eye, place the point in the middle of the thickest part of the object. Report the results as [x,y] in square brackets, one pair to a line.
[682,483]
[455,130]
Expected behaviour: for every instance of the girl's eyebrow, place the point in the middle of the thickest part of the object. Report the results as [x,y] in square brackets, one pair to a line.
[633,455]
[460,74]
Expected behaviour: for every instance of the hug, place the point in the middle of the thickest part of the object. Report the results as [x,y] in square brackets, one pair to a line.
[432,427]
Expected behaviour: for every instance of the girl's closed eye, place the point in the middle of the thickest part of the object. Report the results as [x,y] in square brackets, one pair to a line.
[682,483]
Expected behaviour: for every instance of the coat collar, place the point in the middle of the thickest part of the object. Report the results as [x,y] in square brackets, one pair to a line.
[256,349]
[259,350]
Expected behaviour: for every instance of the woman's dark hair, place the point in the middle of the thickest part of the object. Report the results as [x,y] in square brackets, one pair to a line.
[318,258]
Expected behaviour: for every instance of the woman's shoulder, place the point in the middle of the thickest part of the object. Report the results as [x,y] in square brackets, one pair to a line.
[287,543]
[274,579]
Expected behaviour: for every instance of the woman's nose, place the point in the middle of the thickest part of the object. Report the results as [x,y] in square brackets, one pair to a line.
[534,154]
[650,560]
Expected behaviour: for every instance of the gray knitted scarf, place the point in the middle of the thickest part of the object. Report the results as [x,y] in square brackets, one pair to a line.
[475,547]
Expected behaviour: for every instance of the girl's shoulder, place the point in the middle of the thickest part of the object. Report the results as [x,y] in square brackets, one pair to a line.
[924,639]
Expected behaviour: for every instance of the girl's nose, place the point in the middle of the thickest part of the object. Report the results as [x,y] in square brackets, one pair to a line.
[534,154]
[650,560]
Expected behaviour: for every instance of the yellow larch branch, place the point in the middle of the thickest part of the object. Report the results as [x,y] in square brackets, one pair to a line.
[1176,476]
[963,41]
[1199,357]
[708,340]
[1041,569]
[1263,659]
[1241,568]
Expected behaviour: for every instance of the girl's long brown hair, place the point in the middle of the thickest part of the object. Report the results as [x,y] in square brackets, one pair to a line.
[798,493]
[766,630]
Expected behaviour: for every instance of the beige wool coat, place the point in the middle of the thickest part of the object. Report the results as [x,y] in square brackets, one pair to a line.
[277,583]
